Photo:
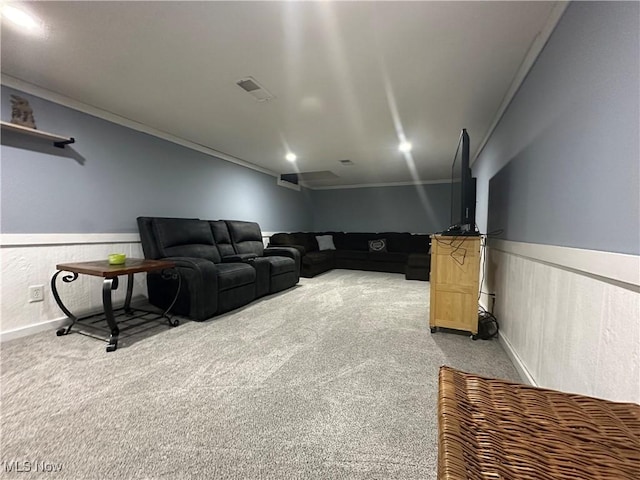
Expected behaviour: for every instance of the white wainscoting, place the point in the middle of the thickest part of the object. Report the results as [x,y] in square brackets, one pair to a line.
[569,318]
[31,259]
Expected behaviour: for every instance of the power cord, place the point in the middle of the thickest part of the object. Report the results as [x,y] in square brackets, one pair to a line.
[455,248]
[488,326]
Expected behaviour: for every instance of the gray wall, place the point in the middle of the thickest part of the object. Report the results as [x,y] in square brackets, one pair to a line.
[562,166]
[416,209]
[114,174]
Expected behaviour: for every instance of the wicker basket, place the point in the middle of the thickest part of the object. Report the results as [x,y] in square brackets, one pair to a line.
[492,429]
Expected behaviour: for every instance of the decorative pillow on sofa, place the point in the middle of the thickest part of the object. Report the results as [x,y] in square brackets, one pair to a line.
[325,242]
[378,245]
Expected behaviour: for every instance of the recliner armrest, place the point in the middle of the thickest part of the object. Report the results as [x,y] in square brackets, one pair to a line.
[238,257]
[199,282]
[289,251]
[205,267]
[299,248]
[281,251]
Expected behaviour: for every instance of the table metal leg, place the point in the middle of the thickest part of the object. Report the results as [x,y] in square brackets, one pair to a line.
[127,301]
[54,289]
[108,285]
[172,274]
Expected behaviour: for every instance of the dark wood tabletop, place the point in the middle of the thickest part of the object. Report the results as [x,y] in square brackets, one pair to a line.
[102,268]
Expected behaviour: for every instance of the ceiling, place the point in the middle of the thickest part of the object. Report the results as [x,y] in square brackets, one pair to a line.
[350,79]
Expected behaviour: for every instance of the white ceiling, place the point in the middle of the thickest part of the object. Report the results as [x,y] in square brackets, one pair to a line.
[349,77]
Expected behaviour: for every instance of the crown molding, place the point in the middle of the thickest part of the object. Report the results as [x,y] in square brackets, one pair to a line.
[537,45]
[374,185]
[65,101]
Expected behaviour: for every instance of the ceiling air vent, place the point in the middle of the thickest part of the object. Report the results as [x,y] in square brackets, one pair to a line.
[346,163]
[257,91]
[289,180]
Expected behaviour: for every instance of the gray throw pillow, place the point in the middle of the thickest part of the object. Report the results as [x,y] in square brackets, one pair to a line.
[325,242]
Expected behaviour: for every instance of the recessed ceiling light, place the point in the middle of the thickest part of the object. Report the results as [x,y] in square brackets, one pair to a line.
[291,157]
[404,147]
[20,18]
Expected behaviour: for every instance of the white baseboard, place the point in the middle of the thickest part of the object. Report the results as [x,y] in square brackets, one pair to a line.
[56,323]
[524,374]
[517,362]
[51,325]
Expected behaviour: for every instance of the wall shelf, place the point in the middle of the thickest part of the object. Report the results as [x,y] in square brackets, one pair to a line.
[57,140]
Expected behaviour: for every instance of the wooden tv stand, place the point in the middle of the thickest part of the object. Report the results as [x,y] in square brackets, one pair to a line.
[455,271]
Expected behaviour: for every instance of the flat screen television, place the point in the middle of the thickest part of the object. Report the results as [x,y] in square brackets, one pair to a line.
[463,191]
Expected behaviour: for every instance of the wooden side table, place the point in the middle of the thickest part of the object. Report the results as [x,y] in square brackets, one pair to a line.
[110,273]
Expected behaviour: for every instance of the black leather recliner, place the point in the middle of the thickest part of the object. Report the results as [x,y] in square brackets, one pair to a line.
[276,268]
[223,265]
[209,286]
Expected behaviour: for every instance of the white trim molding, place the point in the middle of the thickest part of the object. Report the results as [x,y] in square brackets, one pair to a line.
[531,56]
[28,239]
[38,91]
[47,325]
[34,239]
[618,267]
[63,100]
[519,365]
[373,185]
[289,185]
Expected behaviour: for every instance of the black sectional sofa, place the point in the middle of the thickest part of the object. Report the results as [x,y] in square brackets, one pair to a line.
[222,264]
[383,252]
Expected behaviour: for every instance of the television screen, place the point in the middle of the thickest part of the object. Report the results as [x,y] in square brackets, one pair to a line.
[456,187]
[463,191]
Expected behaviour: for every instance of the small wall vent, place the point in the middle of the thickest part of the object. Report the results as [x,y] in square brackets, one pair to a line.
[257,91]
[346,163]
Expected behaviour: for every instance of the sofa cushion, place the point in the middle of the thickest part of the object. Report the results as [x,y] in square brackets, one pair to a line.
[183,237]
[420,243]
[351,255]
[354,241]
[397,242]
[307,240]
[148,238]
[222,237]
[280,265]
[419,260]
[316,258]
[246,237]
[281,239]
[396,257]
[378,245]
[325,242]
[232,275]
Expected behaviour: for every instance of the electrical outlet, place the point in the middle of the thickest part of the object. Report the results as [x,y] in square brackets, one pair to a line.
[36,293]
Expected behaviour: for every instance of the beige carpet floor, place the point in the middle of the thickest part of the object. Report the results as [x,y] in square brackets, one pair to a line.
[333,379]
